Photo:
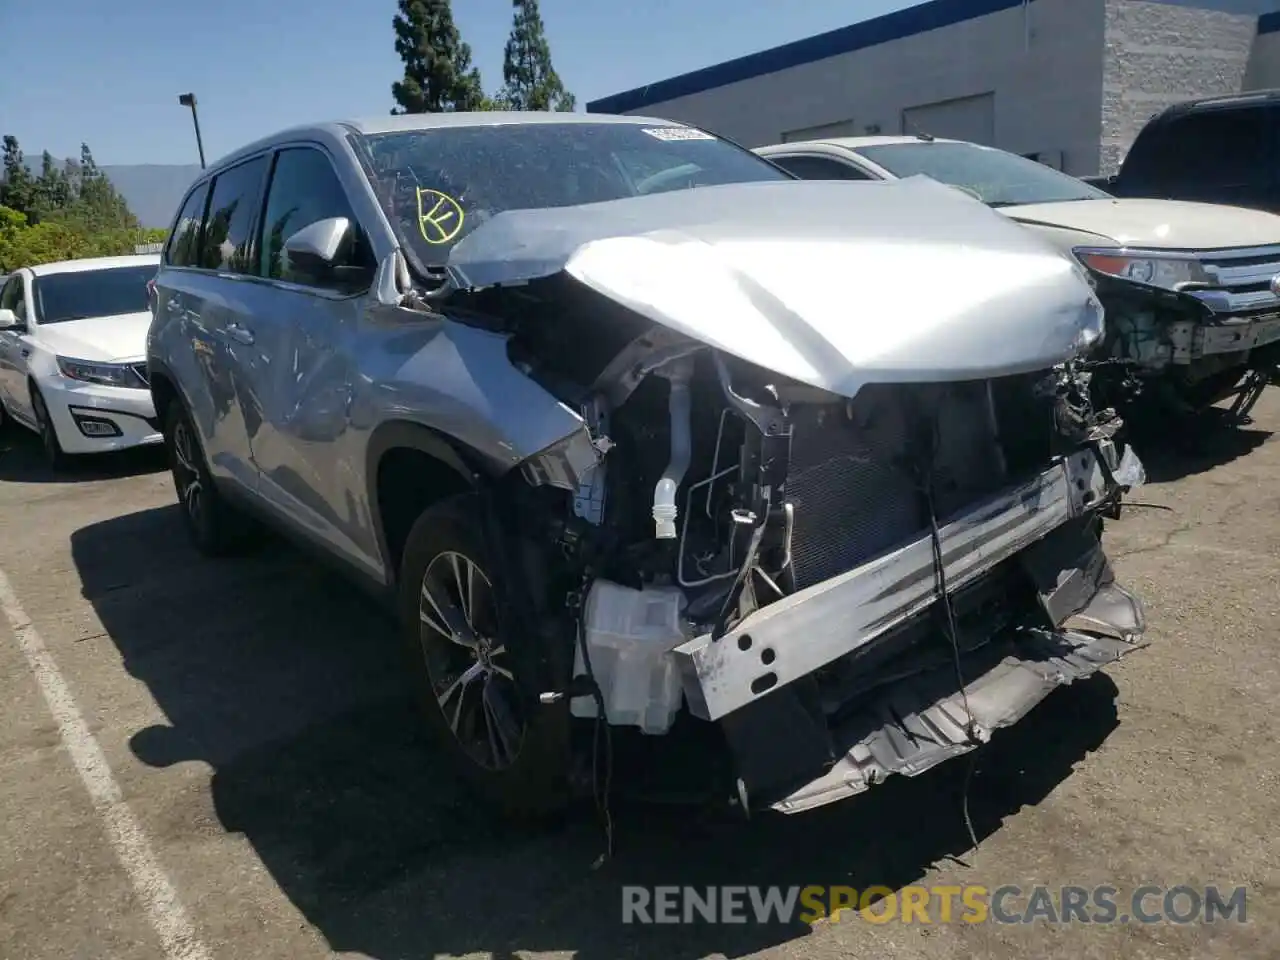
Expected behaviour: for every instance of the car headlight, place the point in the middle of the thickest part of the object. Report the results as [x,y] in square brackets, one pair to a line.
[106,374]
[1139,266]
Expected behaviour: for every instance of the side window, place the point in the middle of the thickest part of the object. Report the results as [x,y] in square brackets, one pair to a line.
[184,243]
[304,190]
[819,168]
[13,296]
[228,233]
[9,295]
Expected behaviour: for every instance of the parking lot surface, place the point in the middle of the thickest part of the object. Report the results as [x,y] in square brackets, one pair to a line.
[220,759]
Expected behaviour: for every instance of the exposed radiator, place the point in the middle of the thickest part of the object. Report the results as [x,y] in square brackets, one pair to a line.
[854,486]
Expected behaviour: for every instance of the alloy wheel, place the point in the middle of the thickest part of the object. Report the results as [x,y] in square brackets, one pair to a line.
[186,474]
[468,666]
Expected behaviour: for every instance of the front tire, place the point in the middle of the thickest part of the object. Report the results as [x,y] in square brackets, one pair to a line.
[472,678]
[215,527]
[54,455]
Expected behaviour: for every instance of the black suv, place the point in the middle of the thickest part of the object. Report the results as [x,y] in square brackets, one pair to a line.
[1220,150]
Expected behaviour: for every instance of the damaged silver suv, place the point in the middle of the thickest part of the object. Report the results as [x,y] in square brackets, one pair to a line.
[638,430]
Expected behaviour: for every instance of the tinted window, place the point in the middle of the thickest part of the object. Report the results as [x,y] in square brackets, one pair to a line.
[996,177]
[437,185]
[305,189]
[13,297]
[91,293]
[184,244]
[820,168]
[228,228]
[1214,148]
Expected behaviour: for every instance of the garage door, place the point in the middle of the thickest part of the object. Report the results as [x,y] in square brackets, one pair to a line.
[965,118]
[842,128]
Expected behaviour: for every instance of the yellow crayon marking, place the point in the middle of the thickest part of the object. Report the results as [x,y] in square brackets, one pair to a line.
[442,221]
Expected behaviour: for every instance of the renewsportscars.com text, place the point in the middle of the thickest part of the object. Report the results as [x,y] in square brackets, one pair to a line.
[972,903]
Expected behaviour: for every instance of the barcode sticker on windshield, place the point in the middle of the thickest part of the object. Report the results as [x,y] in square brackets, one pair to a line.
[677,133]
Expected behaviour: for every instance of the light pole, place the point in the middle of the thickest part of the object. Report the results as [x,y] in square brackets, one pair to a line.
[189,100]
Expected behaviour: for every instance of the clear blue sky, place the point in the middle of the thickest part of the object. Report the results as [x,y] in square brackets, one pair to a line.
[108,73]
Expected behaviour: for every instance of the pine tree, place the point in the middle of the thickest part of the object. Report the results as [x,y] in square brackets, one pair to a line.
[438,75]
[53,193]
[18,190]
[98,205]
[531,83]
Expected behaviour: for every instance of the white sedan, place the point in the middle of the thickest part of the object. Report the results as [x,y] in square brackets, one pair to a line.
[72,354]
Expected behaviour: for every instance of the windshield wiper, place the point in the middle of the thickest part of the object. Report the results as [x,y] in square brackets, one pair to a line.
[1026,203]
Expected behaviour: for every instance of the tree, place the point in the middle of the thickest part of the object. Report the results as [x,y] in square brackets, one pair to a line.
[63,213]
[18,190]
[531,83]
[98,205]
[53,192]
[438,75]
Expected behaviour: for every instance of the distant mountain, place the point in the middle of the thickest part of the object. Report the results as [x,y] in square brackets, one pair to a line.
[152,190]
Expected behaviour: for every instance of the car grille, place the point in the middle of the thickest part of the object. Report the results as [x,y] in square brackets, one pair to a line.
[1241,279]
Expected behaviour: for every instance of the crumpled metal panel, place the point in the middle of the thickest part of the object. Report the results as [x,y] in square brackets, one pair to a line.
[833,284]
[920,722]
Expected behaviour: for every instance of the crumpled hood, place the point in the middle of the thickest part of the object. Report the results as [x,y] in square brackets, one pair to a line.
[122,337]
[1162,224]
[834,284]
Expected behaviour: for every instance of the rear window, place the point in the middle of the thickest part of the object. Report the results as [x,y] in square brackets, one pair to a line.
[226,244]
[60,297]
[184,242]
[1210,148]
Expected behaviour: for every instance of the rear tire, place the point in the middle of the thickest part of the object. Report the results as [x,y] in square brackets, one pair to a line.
[475,686]
[215,526]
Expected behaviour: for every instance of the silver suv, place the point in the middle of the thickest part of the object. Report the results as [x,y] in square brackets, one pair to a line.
[640,433]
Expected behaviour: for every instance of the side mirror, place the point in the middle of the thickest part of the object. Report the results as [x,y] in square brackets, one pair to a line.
[9,321]
[315,248]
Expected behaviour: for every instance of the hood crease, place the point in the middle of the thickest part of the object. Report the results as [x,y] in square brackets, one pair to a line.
[834,284]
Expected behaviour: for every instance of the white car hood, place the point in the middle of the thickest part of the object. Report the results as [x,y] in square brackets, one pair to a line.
[833,284]
[121,337]
[1162,224]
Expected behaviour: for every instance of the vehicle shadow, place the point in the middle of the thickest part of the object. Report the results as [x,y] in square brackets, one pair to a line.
[22,461]
[288,684]
[1175,447]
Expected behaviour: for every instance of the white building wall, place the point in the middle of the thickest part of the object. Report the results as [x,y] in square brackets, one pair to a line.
[1040,67]
[1159,54]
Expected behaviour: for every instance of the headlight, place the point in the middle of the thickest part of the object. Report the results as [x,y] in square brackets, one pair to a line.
[1139,266]
[107,374]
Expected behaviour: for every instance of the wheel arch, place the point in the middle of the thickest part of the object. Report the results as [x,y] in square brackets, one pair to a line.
[408,468]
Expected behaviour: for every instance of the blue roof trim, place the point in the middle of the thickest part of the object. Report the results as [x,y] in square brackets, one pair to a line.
[1267,23]
[869,33]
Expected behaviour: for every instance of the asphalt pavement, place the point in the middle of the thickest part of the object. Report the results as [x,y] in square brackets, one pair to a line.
[220,759]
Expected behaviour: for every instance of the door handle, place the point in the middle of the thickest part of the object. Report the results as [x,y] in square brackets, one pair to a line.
[239,334]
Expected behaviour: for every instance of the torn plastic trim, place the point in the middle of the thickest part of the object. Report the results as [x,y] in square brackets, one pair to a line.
[917,723]
[815,627]
[567,464]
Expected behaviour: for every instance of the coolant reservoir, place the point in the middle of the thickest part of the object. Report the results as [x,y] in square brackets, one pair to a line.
[629,635]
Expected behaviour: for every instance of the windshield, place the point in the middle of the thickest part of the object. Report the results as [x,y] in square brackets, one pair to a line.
[997,177]
[436,186]
[92,293]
